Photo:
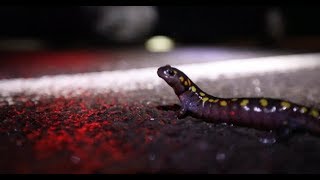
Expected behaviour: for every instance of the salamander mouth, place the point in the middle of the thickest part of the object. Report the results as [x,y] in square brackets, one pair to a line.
[161,73]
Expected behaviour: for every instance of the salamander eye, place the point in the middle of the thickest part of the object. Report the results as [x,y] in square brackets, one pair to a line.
[170,72]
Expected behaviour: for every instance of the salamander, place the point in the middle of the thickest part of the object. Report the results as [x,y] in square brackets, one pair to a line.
[263,113]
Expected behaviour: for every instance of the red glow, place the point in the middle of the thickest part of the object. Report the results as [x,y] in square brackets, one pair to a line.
[77,135]
[30,64]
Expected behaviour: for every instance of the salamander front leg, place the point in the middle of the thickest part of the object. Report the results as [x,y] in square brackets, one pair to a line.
[182,113]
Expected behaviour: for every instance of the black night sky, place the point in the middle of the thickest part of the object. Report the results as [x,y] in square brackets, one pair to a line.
[185,24]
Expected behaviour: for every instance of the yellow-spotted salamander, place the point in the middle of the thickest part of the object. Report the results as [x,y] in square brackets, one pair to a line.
[261,113]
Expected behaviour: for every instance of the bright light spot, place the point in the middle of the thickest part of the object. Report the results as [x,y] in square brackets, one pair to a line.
[256,109]
[159,44]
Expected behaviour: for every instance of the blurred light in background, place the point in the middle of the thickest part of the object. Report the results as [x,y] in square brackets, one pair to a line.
[126,24]
[159,44]
[275,24]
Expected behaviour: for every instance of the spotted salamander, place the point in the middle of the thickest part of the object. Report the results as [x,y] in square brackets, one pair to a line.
[260,113]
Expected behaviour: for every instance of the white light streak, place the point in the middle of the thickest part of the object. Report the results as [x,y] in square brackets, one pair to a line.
[135,79]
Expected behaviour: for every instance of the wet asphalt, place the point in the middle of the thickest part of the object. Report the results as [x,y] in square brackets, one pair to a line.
[138,132]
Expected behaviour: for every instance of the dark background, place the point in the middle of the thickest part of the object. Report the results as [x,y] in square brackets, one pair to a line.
[61,27]
[56,40]
[123,121]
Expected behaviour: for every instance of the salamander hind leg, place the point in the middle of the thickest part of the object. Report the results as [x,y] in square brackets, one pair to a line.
[283,133]
[280,133]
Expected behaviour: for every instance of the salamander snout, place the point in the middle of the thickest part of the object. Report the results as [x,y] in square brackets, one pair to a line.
[160,72]
[165,71]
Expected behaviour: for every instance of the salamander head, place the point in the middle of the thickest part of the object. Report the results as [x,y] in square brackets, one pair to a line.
[175,78]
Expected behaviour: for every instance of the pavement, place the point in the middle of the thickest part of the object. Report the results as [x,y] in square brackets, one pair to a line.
[108,112]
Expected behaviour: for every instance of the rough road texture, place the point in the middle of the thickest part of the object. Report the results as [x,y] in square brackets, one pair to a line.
[137,132]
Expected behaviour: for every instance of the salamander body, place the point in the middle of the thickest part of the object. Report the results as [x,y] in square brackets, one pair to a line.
[260,113]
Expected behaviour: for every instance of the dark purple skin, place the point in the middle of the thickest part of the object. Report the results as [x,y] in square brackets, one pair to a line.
[273,116]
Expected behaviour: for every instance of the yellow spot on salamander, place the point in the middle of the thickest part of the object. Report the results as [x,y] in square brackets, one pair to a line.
[244,102]
[263,102]
[181,78]
[204,100]
[285,104]
[223,103]
[211,100]
[189,82]
[234,99]
[193,89]
[216,100]
[202,94]
[303,110]
[175,72]
[314,113]
[186,83]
